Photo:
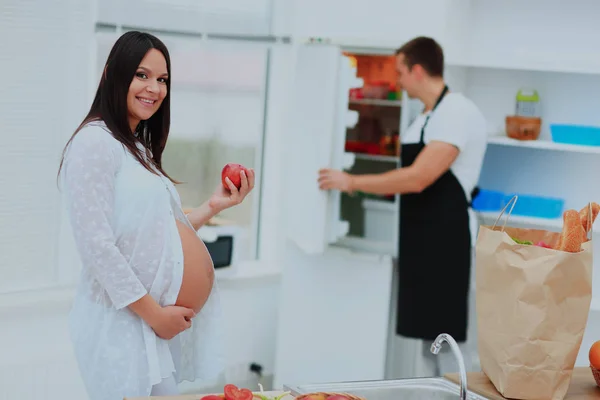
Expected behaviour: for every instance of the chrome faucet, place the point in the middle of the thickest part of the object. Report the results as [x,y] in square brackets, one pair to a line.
[436,346]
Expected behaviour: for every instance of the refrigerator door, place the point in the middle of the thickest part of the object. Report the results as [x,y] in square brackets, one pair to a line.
[318,118]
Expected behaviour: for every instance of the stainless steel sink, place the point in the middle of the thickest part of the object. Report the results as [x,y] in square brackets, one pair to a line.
[400,389]
[403,389]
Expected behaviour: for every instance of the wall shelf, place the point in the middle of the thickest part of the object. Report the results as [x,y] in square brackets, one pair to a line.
[542,145]
[585,67]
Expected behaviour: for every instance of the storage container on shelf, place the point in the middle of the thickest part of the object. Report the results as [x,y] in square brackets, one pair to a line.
[488,200]
[575,134]
[526,124]
[536,206]
[523,128]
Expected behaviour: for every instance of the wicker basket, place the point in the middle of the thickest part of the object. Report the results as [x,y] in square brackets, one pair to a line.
[327,394]
[596,374]
[523,128]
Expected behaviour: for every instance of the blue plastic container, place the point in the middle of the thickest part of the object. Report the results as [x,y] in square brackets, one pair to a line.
[575,134]
[536,206]
[488,200]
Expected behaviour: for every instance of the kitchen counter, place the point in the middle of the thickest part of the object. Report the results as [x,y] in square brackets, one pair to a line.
[582,387]
[198,396]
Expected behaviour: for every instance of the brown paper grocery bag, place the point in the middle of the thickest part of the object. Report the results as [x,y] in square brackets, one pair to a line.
[532,310]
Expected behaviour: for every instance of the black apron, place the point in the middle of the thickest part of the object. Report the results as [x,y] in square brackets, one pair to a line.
[434,255]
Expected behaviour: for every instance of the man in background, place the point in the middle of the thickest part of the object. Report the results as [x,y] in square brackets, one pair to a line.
[441,158]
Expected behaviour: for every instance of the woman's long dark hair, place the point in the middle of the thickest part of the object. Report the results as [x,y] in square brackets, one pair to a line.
[110,102]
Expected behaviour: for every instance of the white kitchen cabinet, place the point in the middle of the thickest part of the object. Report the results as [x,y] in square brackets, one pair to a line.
[333,316]
[513,34]
[375,24]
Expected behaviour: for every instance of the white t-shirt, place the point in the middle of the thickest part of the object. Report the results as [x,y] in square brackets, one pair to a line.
[456,121]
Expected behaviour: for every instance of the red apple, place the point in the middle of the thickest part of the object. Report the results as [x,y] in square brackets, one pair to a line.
[232,171]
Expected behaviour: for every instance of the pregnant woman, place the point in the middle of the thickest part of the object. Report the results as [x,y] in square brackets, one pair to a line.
[146,312]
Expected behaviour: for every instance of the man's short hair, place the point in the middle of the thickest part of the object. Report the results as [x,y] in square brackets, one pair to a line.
[425,52]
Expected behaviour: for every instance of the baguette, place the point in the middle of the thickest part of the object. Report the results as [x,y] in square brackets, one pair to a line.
[573,234]
[576,225]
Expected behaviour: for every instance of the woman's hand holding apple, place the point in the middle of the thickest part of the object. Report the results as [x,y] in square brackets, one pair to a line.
[236,182]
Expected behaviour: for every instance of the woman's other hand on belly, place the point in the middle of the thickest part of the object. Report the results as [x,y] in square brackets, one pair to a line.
[172,320]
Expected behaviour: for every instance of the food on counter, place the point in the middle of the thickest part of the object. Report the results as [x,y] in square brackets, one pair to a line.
[327,396]
[337,397]
[594,355]
[232,392]
[315,396]
[232,171]
[213,397]
[263,396]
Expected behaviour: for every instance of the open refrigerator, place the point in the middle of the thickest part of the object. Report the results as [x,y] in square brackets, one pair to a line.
[336,291]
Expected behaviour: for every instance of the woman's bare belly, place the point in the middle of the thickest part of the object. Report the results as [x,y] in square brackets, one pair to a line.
[198,273]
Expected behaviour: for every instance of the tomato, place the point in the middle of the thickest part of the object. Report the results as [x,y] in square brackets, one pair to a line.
[232,392]
[212,397]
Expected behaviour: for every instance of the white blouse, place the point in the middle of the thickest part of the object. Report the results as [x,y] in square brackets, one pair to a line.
[123,221]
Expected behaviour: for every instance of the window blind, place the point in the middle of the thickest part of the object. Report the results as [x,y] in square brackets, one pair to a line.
[44,68]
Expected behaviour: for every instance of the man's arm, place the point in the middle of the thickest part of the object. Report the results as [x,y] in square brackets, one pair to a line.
[435,159]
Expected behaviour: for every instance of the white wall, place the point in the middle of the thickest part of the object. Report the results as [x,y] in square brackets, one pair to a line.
[36,359]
